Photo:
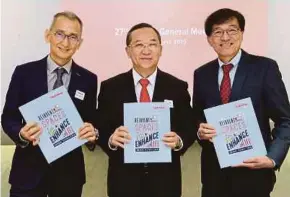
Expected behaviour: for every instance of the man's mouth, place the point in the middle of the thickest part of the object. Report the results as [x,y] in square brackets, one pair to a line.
[226,45]
[146,59]
[63,50]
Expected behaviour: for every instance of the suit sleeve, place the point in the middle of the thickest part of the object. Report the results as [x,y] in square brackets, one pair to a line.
[90,112]
[106,118]
[278,108]
[91,103]
[186,122]
[197,107]
[11,119]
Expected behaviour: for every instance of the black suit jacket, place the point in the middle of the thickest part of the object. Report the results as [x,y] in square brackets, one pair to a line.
[29,166]
[126,179]
[258,78]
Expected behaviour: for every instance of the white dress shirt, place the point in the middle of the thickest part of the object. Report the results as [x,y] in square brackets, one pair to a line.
[138,87]
[235,62]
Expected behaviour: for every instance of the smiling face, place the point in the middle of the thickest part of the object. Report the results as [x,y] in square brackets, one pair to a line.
[226,39]
[64,38]
[144,51]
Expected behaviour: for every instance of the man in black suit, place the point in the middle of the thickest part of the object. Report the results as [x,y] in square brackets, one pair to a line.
[31,175]
[144,179]
[235,75]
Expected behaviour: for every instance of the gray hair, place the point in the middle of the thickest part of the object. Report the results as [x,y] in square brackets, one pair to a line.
[67,14]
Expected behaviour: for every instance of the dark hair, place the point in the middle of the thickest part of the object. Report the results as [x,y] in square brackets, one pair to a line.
[140,26]
[221,16]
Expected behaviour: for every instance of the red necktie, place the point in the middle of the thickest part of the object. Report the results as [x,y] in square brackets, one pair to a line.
[225,89]
[144,95]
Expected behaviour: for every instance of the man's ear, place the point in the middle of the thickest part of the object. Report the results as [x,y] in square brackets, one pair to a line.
[242,36]
[128,52]
[209,40]
[47,36]
[80,43]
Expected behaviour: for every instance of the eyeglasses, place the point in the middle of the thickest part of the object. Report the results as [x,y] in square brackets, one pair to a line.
[230,32]
[140,46]
[72,38]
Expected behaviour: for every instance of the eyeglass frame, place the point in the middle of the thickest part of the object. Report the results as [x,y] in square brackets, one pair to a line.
[64,36]
[144,45]
[236,31]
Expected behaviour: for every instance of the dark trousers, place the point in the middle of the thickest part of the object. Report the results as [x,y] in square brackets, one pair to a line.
[44,191]
[224,193]
[240,182]
[145,196]
[144,191]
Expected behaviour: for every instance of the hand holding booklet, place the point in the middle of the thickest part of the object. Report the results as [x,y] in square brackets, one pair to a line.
[238,133]
[59,121]
[147,123]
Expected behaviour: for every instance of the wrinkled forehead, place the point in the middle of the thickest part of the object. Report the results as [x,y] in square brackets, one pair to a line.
[67,25]
[144,35]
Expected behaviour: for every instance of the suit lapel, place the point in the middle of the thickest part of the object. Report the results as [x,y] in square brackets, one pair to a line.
[213,85]
[75,80]
[40,78]
[158,94]
[129,93]
[128,88]
[243,69]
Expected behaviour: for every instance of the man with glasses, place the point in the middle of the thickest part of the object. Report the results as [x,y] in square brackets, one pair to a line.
[235,75]
[144,83]
[30,174]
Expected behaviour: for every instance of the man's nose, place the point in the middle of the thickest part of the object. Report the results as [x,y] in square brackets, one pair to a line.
[225,36]
[146,50]
[65,41]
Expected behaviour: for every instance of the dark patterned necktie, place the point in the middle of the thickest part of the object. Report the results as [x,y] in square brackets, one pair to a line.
[225,89]
[59,74]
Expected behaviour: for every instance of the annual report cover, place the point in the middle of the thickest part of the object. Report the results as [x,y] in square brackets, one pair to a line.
[238,133]
[147,123]
[59,120]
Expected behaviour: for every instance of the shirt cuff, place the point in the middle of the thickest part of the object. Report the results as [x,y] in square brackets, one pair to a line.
[23,142]
[97,134]
[178,148]
[273,162]
[111,146]
[198,135]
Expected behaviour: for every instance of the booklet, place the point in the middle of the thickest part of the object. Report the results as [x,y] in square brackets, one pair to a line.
[147,123]
[238,132]
[59,120]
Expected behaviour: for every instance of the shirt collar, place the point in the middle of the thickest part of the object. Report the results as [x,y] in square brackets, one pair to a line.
[51,65]
[234,61]
[137,77]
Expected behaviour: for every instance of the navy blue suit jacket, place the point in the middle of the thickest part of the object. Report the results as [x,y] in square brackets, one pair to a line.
[260,79]
[29,166]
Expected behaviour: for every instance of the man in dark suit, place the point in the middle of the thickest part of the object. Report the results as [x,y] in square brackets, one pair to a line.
[144,83]
[233,76]
[31,175]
